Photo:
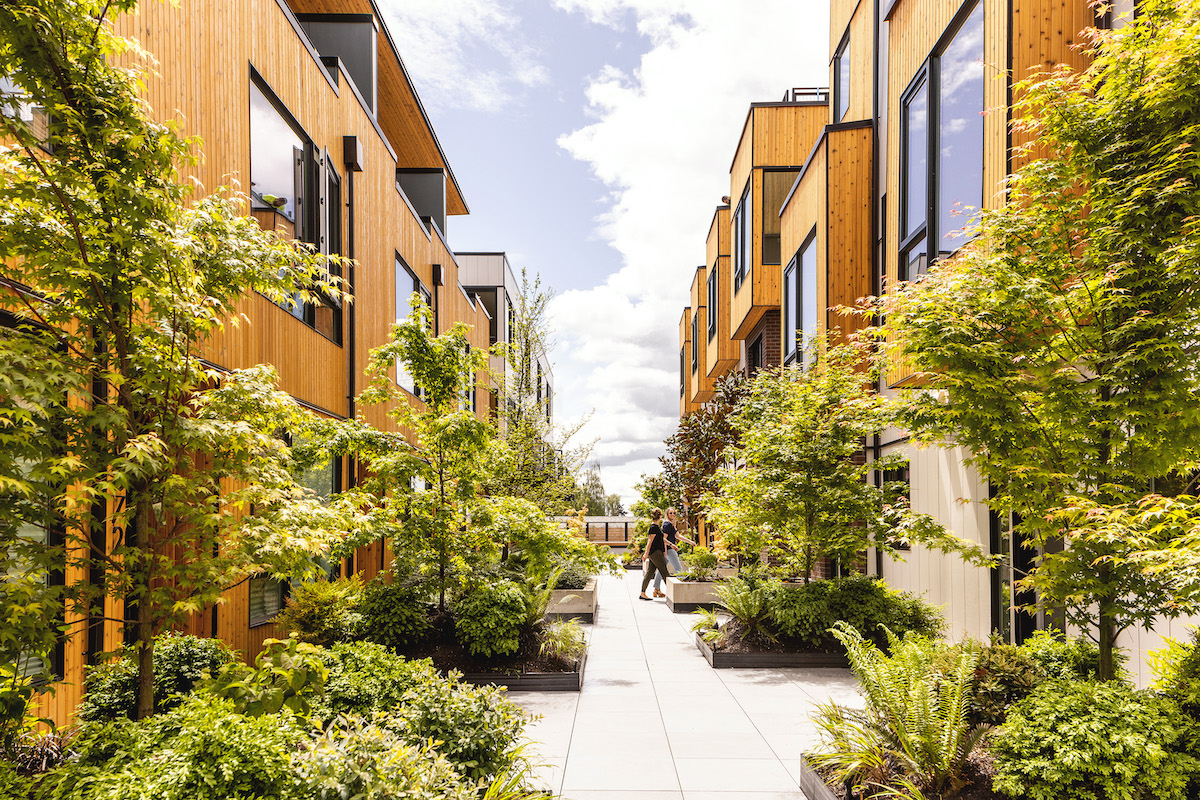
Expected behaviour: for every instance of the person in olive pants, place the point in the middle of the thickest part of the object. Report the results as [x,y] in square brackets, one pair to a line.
[655,555]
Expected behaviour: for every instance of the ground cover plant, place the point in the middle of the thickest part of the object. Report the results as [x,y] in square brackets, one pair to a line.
[304,722]
[766,613]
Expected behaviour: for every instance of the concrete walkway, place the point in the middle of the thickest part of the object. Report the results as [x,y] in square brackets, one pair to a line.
[655,722]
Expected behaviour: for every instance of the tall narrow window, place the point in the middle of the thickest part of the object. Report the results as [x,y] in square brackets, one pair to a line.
[810,315]
[682,372]
[712,302]
[696,341]
[914,179]
[841,80]
[942,127]
[406,284]
[266,599]
[743,238]
[791,308]
[960,133]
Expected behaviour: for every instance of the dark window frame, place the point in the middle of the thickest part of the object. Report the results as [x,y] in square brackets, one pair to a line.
[696,342]
[713,293]
[741,226]
[841,89]
[682,371]
[927,76]
[791,307]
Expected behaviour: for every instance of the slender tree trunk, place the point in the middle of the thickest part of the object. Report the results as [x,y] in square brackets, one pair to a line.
[145,625]
[1108,645]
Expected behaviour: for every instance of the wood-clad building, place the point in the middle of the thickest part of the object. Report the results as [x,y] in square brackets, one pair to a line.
[306,106]
[686,405]
[721,352]
[702,383]
[916,136]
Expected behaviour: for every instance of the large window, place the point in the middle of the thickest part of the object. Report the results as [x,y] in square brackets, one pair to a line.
[841,80]
[743,236]
[407,283]
[266,599]
[294,189]
[942,148]
[712,302]
[801,312]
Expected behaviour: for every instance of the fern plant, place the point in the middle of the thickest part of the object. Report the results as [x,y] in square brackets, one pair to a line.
[748,600]
[916,710]
[707,624]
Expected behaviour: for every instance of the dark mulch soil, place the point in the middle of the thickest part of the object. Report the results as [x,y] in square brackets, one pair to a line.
[979,772]
[447,654]
[734,639]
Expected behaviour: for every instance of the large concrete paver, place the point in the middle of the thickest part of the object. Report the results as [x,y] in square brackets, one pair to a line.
[655,722]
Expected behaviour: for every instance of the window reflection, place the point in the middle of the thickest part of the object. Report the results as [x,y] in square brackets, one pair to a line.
[916,158]
[960,132]
[276,157]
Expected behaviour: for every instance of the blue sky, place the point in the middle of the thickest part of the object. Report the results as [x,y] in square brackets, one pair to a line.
[592,140]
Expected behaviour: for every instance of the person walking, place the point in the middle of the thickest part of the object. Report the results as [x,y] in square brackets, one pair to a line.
[656,561]
[673,537]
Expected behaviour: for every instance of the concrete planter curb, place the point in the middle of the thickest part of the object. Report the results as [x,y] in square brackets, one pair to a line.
[719,660]
[577,604]
[684,597]
[812,784]
[532,681]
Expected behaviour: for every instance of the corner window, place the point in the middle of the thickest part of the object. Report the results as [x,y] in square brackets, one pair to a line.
[712,302]
[743,239]
[776,185]
[754,357]
[941,175]
[801,310]
[841,80]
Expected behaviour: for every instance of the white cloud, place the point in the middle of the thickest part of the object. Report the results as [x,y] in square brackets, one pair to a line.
[662,142]
[464,53]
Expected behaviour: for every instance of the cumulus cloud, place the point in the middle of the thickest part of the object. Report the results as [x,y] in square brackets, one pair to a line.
[662,140]
[464,53]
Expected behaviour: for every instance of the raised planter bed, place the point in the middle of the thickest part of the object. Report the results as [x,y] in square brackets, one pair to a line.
[577,604]
[684,597]
[532,681]
[812,784]
[722,660]
[634,565]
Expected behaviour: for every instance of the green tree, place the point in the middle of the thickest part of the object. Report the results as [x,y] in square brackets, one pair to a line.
[116,275]
[533,458]
[1059,348]
[697,449]
[421,493]
[800,492]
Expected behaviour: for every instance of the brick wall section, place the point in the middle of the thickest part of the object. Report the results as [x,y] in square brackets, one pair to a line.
[772,350]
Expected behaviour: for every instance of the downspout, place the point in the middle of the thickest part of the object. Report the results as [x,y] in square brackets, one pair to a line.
[352,158]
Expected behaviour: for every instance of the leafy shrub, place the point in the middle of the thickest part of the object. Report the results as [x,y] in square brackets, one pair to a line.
[478,728]
[1005,675]
[394,614]
[202,750]
[323,612]
[110,688]
[573,575]
[365,677]
[806,613]
[12,782]
[361,760]
[700,558]
[1065,659]
[1178,675]
[287,674]
[916,712]
[563,640]
[489,619]
[1083,739]
[748,599]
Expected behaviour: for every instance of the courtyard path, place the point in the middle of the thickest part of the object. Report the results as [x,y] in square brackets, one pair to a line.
[655,722]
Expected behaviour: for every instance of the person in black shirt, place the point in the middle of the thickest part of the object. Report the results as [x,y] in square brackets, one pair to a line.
[656,561]
[672,552]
